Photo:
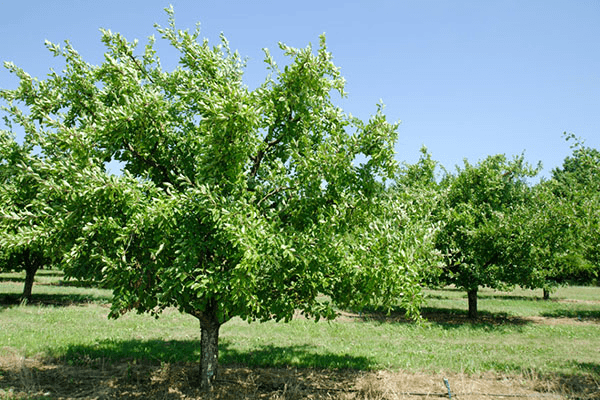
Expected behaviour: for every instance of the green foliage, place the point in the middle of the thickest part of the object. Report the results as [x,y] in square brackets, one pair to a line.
[418,190]
[231,202]
[580,171]
[554,247]
[23,240]
[577,185]
[482,237]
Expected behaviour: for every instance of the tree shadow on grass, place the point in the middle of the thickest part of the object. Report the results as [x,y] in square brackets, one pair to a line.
[169,370]
[77,283]
[160,351]
[149,351]
[454,318]
[39,282]
[19,276]
[8,300]
[580,315]
[301,356]
[509,297]
[157,369]
[12,279]
[447,318]
[487,296]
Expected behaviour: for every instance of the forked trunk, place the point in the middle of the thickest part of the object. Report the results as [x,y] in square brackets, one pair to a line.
[30,270]
[209,342]
[472,294]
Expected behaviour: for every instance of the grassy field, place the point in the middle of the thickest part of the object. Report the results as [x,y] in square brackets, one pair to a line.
[552,345]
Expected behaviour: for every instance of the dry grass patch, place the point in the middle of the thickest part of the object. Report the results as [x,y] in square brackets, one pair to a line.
[26,378]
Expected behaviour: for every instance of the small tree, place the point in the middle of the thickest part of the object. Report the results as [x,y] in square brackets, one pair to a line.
[231,202]
[480,230]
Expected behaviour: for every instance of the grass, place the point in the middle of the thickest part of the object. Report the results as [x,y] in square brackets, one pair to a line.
[571,301]
[518,334]
[432,348]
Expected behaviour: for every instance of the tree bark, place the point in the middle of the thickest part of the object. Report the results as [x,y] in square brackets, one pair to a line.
[472,295]
[30,269]
[546,294]
[209,342]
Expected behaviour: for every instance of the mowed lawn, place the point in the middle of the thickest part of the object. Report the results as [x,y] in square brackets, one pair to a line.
[518,333]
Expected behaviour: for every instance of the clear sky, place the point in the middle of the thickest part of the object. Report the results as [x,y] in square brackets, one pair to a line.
[467,79]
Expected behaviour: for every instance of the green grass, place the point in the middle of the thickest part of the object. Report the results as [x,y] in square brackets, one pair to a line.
[507,340]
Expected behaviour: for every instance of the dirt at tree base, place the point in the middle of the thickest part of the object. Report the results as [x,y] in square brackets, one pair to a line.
[34,379]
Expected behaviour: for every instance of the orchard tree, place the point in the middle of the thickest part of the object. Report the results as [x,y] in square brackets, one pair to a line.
[556,234]
[578,183]
[581,170]
[20,251]
[548,235]
[420,175]
[419,192]
[231,202]
[481,227]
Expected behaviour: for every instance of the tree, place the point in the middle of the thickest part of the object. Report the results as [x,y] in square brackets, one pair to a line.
[420,194]
[481,227]
[18,194]
[577,183]
[231,201]
[553,232]
[542,239]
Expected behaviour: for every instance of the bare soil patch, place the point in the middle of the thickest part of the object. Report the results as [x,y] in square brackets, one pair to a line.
[35,379]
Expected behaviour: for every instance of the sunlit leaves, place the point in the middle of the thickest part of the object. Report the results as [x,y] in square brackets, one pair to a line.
[231,201]
[480,215]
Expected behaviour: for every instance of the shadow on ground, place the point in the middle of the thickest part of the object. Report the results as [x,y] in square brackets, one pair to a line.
[156,369]
[160,351]
[130,378]
[580,315]
[55,300]
[447,318]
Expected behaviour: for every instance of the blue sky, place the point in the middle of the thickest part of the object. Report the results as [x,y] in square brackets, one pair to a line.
[467,79]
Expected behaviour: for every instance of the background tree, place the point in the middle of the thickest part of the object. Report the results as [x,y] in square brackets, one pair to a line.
[539,238]
[479,230]
[231,201]
[23,245]
[417,188]
[577,183]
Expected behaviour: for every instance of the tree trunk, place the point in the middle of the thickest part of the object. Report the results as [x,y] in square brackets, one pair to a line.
[30,270]
[209,342]
[472,294]
[546,294]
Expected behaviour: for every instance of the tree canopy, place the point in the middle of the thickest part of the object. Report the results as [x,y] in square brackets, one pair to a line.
[577,184]
[231,202]
[478,236]
[24,242]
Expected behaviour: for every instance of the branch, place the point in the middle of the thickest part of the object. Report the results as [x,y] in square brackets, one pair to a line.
[151,163]
[273,192]
[270,144]
[261,154]
[142,70]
